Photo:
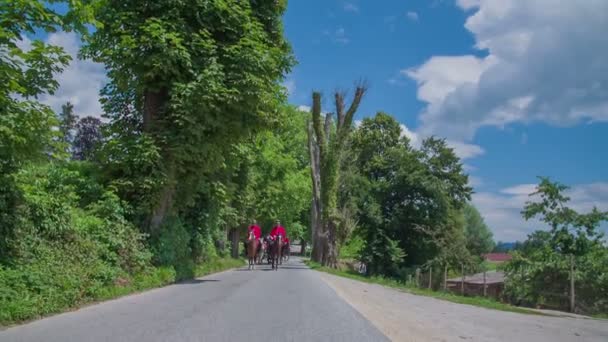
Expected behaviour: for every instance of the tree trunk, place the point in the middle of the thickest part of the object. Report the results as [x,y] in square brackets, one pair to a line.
[316,207]
[430,278]
[155,103]
[303,247]
[325,154]
[234,235]
[164,206]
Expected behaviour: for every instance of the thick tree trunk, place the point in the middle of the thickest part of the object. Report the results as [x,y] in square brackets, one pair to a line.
[316,207]
[155,103]
[326,152]
[234,237]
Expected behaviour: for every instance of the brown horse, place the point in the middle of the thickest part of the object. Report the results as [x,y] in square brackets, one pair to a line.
[276,249]
[252,250]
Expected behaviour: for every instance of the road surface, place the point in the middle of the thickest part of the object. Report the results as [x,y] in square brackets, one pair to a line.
[295,304]
[406,317]
[291,304]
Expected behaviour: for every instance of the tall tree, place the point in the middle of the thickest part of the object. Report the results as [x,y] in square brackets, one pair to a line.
[27,70]
[478,235]
[87,139]
[327,149]
[67,123]
[408,199]
[198,76]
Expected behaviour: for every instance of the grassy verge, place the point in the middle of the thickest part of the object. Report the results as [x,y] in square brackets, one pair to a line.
[476,301]
[25,304]
[218,265]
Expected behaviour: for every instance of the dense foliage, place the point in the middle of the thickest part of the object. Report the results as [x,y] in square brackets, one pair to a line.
[197,141]
[409,200]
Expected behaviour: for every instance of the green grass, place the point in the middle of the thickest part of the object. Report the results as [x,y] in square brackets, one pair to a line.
[218,265]
[388,282]
[29,304]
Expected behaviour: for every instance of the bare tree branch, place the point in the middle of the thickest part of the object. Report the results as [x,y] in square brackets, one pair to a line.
[339,96]
[316,119]
[328,121]
[361,89]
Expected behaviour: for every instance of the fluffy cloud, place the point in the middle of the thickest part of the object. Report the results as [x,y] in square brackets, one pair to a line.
[462,150]
[502,210]
[350,7]
[337,36]
[290,86]
[545,62]
[412,16]
[80,82]
[304,108]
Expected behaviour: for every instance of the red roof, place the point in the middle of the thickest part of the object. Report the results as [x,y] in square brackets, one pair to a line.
[497,257]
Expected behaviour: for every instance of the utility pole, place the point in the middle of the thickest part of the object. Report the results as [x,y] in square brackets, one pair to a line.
[445,278]
[572,302]
[462,283]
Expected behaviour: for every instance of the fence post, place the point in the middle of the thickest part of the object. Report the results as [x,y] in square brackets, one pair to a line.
[485,288]
[572,303]
[462,283]
[430,277]
[445,278]
[417,277]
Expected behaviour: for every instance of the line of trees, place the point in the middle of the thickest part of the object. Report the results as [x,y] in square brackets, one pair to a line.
[402,206]
[197,140]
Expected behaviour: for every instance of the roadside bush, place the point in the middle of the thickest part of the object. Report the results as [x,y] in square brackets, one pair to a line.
[69,243]
[171,247]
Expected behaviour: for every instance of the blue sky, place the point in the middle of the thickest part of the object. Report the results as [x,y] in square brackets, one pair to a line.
[393,45]
[518,88]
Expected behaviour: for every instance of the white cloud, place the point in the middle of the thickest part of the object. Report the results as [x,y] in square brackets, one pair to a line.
[412,16]
[304,108]
[350,7]
[338,36]
[461,149]
[464,150]
[475,181]
[290,86]
[80,82]
[411,135]
[502,210]
[545,62]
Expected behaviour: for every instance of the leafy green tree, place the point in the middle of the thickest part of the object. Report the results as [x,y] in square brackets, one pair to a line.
[478,235]
[327,147]
[67,124]
[409,200]
[27,69]
[552,264]
[196,77]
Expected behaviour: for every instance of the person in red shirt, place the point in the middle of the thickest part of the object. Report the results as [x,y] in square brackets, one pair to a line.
[254,229]
[278,230]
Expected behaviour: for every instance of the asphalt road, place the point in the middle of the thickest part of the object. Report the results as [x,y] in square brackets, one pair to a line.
[291,304]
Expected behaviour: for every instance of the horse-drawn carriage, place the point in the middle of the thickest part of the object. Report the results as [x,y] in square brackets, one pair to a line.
[268,251]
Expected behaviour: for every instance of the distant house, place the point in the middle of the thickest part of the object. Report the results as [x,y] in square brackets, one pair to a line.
[497,257]
[473,285]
